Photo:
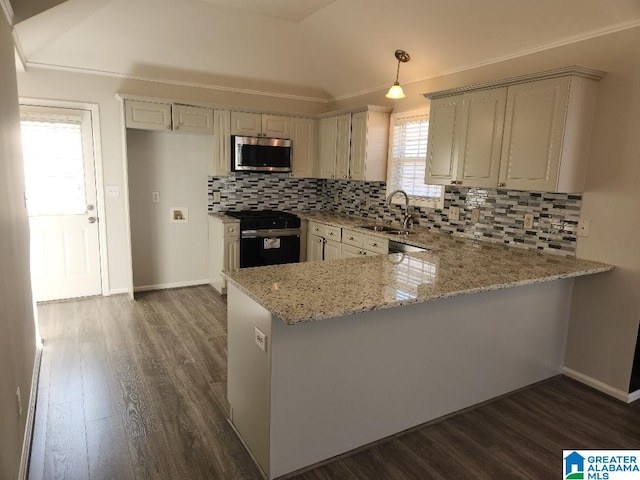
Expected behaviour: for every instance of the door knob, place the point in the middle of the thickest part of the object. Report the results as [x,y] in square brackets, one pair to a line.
[93,219]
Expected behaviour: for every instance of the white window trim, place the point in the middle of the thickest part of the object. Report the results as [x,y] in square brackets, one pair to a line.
[399,199]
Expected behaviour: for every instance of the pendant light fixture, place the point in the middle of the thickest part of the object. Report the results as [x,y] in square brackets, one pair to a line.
[396,90]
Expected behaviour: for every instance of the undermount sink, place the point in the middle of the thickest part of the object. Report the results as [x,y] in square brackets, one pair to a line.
[387,229]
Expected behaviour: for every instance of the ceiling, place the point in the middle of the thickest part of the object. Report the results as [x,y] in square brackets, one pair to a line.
[317,49]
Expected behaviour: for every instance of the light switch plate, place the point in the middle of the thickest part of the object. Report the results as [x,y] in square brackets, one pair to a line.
[216,197]
[583,227]
[454,213]
[155,197]
[475,215]
[261,339]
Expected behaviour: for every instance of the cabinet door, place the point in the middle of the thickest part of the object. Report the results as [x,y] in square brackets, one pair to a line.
[147,115]
[358,146]
[534,127]
[343,146]
[275,126]
[315,245]
[331,250]
[480,138]
[303,145]
[221,154]
[188,119]
[327,136]
[442,154]
[246,124]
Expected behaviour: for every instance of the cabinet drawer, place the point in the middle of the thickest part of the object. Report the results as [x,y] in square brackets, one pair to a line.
[332,233]
[349,251]
[316,229]
[231,229]
[378,245]
[353,238]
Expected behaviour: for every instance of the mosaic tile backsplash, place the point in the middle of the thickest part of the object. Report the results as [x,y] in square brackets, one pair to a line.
[273,191]
[501,212]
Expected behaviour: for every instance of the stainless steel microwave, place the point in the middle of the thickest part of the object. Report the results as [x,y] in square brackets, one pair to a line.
[260,154]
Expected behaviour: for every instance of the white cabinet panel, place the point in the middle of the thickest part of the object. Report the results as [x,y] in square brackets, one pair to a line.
[246,124]
[275,126]
[188,119]
[331,250]
[327,138]
[534,126]
[480,138]
[147,115]
[220,164]
[303,145]
[315,246]
[343,146]
[442,152]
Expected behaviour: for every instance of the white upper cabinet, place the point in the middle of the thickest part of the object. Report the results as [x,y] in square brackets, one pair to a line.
[220,164]
[188,119]
[246,124]
[343,146]
[167,116]
[327,139]
[354,146]
[303,145]
[275,126]
[259,125]
[442,151]
[369,146]
[147,115]
[480,141]
[465,135]
[546,138]
[530,134]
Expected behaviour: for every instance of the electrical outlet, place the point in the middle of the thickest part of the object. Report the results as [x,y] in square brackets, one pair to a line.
[261,339]
[583,227]
[216,197]
[19,399]
[367,203]
[454,213]
[475,215]
[336,197]
[155,197]
[528,221]
[112,191]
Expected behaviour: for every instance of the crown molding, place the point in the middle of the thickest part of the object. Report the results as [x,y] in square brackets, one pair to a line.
[106,73]
[531,77]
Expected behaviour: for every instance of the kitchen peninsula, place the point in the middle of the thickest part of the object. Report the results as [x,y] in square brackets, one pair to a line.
[325,357]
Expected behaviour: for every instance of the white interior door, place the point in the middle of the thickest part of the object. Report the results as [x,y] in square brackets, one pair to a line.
[61,200]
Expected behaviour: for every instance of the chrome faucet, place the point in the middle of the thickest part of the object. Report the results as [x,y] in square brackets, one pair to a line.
[408,216]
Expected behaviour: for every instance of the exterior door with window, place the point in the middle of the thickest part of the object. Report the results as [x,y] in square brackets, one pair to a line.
[61,200]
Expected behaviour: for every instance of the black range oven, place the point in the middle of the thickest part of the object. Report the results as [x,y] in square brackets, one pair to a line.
[268,237]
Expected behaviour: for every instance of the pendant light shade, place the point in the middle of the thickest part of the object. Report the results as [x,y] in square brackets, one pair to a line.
[396,90]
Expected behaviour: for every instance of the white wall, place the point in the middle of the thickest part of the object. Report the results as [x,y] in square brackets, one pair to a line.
[58,85]
[175,165]
[17,327]
[606,308]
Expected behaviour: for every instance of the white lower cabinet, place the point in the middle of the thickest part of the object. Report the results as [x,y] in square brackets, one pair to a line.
[224,251]
[328,242]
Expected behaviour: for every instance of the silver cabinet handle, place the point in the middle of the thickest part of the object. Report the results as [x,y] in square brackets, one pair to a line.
[92,219]
[501,184]
[90,207]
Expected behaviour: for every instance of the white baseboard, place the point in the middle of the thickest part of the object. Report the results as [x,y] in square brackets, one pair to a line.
[31,415]
[601,386]
[117,291]
[163,286]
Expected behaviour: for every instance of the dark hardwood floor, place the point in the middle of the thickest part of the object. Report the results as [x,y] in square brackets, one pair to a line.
[138,390]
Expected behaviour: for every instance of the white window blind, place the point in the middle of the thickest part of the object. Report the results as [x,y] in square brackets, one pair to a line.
[408,159]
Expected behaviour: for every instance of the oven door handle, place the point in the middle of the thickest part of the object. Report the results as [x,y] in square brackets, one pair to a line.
[276,232]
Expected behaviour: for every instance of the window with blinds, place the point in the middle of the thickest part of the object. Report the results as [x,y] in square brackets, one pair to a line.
[408,160]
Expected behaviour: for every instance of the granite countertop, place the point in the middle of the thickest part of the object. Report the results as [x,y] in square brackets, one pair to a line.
[223,217]
[309,291]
